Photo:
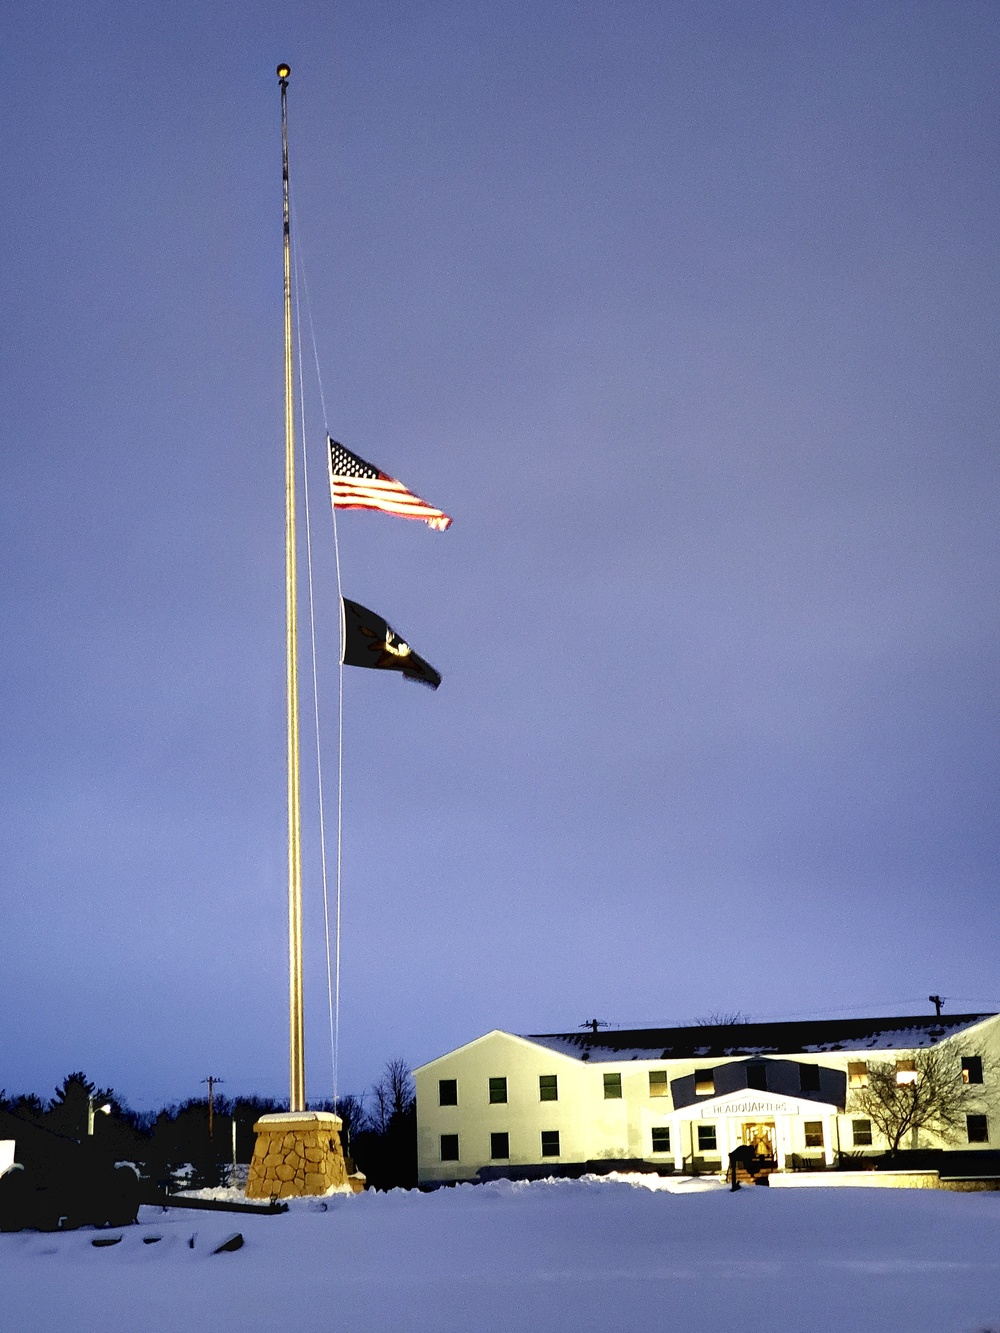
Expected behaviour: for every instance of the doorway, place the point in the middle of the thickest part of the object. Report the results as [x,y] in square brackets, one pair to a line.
[762,1137]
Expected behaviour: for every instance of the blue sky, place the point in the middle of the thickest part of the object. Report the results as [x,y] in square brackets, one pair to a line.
[687,312]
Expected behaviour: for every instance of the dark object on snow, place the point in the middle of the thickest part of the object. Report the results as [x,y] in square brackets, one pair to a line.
[746,1156]
[268,1209]
[72,1190]
[233,1242]
[101,1242]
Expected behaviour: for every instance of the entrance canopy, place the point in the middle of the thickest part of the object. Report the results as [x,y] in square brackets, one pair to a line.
[750,1116]
[751,1104]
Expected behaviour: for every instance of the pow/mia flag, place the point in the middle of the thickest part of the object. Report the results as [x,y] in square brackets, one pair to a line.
[370,642]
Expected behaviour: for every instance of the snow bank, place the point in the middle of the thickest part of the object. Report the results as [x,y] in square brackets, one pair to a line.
[546,1257]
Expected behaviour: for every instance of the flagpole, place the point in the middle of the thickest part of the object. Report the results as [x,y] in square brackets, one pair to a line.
[296,1043]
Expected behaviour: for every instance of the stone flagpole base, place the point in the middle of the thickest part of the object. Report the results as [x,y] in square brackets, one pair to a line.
[298,1154]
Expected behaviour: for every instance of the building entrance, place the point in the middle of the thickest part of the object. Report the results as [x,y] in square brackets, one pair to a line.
[761,1136]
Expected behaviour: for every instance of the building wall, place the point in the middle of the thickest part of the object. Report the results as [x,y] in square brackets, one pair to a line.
[589,1124]
[592,1127]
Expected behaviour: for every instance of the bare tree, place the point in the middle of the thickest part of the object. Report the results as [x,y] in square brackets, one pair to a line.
[718,1019]
[353,1116]
[393,1095]
[921,1090]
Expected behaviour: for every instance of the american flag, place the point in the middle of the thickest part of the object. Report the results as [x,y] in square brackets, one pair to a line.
[355,484]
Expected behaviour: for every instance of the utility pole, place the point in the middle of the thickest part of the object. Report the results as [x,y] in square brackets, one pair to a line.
[594,1024]
[937,1001]
[211,1081]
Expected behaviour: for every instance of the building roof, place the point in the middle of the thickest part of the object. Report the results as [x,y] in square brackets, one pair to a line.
[709,1041]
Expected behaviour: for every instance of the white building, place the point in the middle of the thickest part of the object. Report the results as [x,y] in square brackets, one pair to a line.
[681,1098]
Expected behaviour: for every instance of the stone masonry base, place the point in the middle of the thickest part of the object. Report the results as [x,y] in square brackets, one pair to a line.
[298,1153]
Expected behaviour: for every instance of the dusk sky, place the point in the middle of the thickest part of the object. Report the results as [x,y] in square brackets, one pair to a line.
[687,312]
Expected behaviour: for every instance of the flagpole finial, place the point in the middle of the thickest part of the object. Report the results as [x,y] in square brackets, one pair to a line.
[283,73]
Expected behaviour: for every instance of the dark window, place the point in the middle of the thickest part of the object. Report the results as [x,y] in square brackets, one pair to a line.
[550,1143]
[704,1082]
[814,1133]
[548,1088]
[661,1139]
[978,1127]
[972,1069]
[658,1083]
[498,1089]
[449,1147]
[612,1085]
[757,1076]
[499,1145]
[808,1078]
[447,1092]
[706,1138]
[861,1131]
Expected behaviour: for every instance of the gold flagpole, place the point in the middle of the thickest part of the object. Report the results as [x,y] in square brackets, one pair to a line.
[297,1153]
[296,1044]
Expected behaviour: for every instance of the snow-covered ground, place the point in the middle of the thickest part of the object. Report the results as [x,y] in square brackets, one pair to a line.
[544,1257]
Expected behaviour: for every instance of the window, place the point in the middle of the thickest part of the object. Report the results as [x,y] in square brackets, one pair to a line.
[704,1082]
[814,1133]
[658,1086]
[661,1139]
[548,1088]
[498,1090]
[612,1086]
[447,1092]
[757,1076]
[706,1138]
[861,1131]
[972,1069]
[906,1071]
[808,1078]
[449,1147]
[857,1074]
[499,1146]
[550,1143]
[978,1128]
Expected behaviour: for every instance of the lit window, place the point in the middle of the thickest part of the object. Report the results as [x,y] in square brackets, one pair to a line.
[550,1143]
[499,1146]
[978,1128]
[658,1086]
[548,1088]
[757,1076]
[814,1133]
[808,1078]
[661,1139]
[612,1086]
[447,1092]
[972,1069]
[857,1074]
[498,1090]
[704,1082]
[449,1147]
[861,1131]
[706,1138]
[906,1071]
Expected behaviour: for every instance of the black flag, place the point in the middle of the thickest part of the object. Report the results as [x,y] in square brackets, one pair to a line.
[370,642]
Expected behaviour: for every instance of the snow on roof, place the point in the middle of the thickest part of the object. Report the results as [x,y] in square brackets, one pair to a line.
[707,1041]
